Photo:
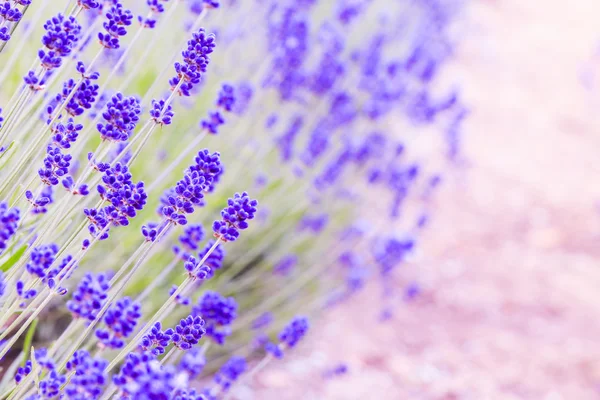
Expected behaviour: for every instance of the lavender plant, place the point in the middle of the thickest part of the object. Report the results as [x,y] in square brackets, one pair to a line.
[180,180]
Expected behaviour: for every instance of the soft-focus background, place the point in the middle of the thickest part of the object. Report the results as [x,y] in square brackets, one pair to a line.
[509,271]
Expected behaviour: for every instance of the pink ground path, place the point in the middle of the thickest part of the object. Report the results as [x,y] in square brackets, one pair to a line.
[511,263]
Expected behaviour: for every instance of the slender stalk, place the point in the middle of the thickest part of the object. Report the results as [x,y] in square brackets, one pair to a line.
[159,279]
[33,316]
[116,292]
[167,356]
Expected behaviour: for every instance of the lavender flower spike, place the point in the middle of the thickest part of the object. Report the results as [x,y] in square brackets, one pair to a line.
[239,209]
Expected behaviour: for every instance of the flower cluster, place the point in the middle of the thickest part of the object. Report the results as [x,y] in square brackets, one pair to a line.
[9,16]
[89,296]
[88,376]
[188,332]
[126,198]
[156,7]
[190,240]
[156,340]
[288,43]
[56,165]
[197,271]
[39,204]
[42,258]
[120,319]
[194,64]
[120,117]
[61,36]
[117,18]
[9,220]
[160,114]
[239,209]
[65,134]
[78,102]
[225,102]
[218,313]
[289,337]
[142,377]
[230,372]
[189,191]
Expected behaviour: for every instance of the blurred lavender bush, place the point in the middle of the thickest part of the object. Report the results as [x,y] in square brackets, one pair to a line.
[140,140]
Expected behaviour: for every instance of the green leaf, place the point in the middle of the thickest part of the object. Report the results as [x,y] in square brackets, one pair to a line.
[29,339]
[13,259]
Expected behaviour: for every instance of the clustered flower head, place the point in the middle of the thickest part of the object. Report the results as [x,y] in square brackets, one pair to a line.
[39,204]
[42,258]
[126,198]
[189,191]
[289,337]
[218,313]
[160,114]
[117,18]
[61,36]
[89,296]
[156,340]
[188,332]
[190,240]
[56,165]
[65,134]
[9,220]
[194,64]
[230,372]
[156,7]
[120,320]
[9,16]
[225,102]
[84,97]
[197,271]
[239,210]
[143,377]
[120,117]
[88,378]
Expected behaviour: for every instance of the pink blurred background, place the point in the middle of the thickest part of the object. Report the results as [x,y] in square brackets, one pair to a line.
[510,266]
